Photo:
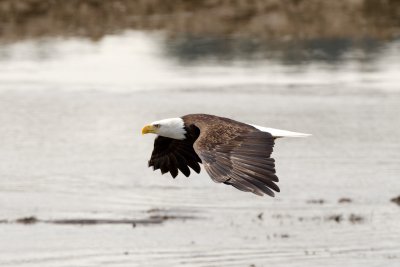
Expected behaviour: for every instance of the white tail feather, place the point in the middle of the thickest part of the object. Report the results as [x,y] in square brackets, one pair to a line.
[280,133]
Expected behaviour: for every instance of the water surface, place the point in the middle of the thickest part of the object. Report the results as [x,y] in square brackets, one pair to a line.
[71,112]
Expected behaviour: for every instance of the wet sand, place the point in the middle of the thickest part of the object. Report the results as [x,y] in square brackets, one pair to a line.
[72,150]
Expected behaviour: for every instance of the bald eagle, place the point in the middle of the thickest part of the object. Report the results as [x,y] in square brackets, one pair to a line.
[232,152]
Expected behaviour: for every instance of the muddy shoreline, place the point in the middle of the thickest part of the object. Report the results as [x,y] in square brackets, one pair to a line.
[151,220]
[279,20]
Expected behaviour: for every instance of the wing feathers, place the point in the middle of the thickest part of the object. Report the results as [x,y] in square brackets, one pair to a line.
[171,155]
[164,165]
[259,173]
[243,162]
[266,168]
[260,186]
[182,166]
[173,168]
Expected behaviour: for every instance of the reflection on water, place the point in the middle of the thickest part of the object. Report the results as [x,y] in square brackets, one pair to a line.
[330,51]
[137,61]
[74,176]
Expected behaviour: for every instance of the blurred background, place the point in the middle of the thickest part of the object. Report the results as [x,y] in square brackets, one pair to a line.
[79,78]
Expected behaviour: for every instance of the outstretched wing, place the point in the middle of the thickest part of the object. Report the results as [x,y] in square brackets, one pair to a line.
[243,162]
[171,155]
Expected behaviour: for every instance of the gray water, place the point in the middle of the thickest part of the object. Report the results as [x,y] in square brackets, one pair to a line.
[71,111]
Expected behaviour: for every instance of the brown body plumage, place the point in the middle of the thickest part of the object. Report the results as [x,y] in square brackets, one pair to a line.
[232,153]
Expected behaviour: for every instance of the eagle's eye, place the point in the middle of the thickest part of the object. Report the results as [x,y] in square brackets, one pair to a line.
[157,125]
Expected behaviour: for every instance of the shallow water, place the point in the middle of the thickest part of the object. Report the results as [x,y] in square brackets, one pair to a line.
[71,112]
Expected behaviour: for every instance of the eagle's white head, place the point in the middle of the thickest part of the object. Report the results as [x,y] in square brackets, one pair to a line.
[172,128]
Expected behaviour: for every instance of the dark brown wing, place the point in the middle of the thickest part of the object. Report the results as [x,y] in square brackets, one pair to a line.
[171,155]
[243,162]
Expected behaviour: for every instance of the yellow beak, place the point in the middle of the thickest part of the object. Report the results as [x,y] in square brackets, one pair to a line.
[148,129]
